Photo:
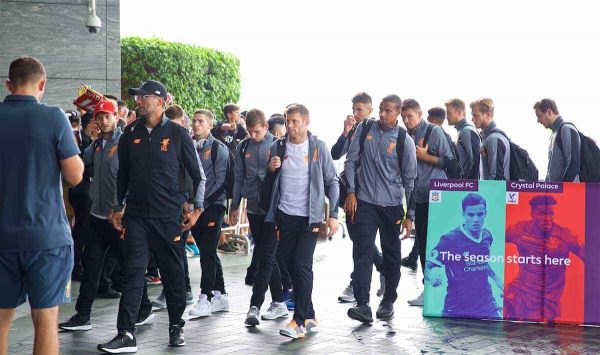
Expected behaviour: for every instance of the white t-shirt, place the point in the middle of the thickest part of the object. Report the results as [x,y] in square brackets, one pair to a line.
[294,180]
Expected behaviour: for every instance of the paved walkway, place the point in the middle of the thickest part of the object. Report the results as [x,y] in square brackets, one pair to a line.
[407,333]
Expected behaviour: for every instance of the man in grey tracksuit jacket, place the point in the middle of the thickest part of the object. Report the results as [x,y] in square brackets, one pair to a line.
[302,178]
[376,203]
[564,153]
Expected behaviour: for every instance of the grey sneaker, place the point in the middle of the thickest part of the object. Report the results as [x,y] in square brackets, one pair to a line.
[311,325]
[417,301]
[276,310]
[253,316]
[347,295]
[293,330]
[189,298]
[160,302]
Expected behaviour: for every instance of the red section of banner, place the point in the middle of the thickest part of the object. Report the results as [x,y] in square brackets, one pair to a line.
[544,274]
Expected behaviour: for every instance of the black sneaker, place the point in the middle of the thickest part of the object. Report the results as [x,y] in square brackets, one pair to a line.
[144,316]
[77,322]
[361,313]
[385,311]
[124,342]
[176,336]
[110,293]
[409,263]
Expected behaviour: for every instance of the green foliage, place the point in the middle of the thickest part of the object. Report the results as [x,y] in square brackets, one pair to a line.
[197,77]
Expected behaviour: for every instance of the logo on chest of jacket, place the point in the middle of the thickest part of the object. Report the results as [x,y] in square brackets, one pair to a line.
[164,145]
[391,147]
[112,151]
[177,238]
[206,154]
[137,141]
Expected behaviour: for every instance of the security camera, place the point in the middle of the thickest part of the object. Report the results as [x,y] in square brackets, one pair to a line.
[93,22]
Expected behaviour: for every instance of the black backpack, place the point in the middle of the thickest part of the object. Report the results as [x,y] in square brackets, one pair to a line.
[229,177]
[589,160]
[522,167]
[453,168]
[363,136]
[265,192]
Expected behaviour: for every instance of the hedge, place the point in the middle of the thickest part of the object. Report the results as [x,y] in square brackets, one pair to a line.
[198,77]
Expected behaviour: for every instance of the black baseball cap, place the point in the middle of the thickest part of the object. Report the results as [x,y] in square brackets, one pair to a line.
[150,87]
[73,116]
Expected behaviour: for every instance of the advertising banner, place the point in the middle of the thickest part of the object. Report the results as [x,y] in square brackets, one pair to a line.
[513,251]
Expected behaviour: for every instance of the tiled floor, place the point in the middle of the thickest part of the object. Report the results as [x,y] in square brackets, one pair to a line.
[407,333]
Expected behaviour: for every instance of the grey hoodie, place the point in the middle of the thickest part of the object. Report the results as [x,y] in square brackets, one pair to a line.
[564,164]
[215,175]
[438,146]
[323,183]
[495,154]
[250,170]
[105,160]
[381,181]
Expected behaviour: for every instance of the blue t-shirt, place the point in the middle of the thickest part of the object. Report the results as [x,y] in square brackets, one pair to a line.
[34,139]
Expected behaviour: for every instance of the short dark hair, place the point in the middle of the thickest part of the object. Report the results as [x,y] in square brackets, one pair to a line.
[411,104]
[546,104]
[255,117]
[229,108]
[395,99]
[25,70]
[112,97]
[438,114]
[174,112]
[473,200]
[275,119]
[121,103]
[362,98]
[297,108]
[542,200]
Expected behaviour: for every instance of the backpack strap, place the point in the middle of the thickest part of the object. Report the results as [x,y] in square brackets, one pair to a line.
[559,136]
[363,134]
[400,145]
[428,131]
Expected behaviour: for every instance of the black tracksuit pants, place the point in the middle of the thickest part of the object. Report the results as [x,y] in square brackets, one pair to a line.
[368,219]
[162,237]
[286,279]
[206,234]
[265,251]
[421,219]
[377,256]
[102,237]
[298,239]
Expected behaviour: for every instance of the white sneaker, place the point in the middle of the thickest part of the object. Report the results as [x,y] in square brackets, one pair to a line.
[219,302]
[347,295]
[276,310]
[417,301]
[202,308]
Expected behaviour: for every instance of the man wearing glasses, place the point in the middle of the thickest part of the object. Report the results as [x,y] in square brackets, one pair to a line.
[154,154]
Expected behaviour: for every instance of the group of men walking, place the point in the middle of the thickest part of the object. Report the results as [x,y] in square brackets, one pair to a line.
[154,182]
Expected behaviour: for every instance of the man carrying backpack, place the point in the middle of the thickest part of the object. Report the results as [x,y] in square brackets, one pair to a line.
[250,166]
[495,152]
[564,155]
[431,141]
[215,158]
[381,167]
[468,144]
[362,107]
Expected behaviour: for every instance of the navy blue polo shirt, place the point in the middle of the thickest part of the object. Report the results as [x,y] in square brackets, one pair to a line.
[34,138]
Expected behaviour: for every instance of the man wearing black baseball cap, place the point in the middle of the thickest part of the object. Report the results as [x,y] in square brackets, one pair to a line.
[154,155]
[150,87]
